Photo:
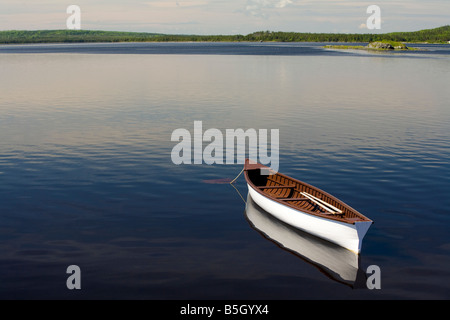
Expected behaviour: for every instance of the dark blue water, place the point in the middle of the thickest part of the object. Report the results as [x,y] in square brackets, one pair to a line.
[208,48]
[86,176]
[171,48]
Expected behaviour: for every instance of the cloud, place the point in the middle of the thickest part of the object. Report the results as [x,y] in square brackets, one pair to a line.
[175,4]
[362,26]
[283,3]
[258,8]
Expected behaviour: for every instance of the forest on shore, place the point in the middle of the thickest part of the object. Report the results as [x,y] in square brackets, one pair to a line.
[436,35]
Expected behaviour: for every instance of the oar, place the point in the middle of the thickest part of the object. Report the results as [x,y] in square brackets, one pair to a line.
[325,203]
[317,202]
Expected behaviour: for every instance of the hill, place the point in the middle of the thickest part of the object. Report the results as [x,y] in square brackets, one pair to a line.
[52,36]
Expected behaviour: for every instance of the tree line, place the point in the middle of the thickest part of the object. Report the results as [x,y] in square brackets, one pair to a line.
[437,35]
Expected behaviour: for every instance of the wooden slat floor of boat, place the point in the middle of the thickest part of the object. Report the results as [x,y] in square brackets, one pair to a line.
[308,205]
[301,203]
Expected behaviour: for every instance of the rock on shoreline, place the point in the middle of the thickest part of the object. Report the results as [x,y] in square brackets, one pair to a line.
[386,46]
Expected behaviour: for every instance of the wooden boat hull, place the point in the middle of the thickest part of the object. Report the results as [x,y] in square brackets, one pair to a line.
[346,235]
[346,230]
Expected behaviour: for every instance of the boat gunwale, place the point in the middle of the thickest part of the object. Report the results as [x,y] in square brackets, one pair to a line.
[306,211]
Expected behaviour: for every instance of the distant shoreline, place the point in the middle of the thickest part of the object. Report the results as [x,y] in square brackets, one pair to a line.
[439,35]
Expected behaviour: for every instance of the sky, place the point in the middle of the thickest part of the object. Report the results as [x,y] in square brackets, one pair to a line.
[226,16]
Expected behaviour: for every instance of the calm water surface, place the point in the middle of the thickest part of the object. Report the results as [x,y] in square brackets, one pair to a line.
[86,176]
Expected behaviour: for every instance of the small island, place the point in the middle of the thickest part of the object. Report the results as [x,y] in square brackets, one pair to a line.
[383,45]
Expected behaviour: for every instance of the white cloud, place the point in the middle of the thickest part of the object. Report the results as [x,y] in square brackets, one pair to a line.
[258,8]
[283,3]
[175,4]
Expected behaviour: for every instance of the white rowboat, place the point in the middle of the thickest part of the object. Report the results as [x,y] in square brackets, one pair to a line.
[306,207]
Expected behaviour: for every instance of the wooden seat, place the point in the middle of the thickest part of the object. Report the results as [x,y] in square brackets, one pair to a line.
[293,199]
[276,187]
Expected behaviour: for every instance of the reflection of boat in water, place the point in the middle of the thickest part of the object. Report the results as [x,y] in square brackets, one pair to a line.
[334,261]
[306,207]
